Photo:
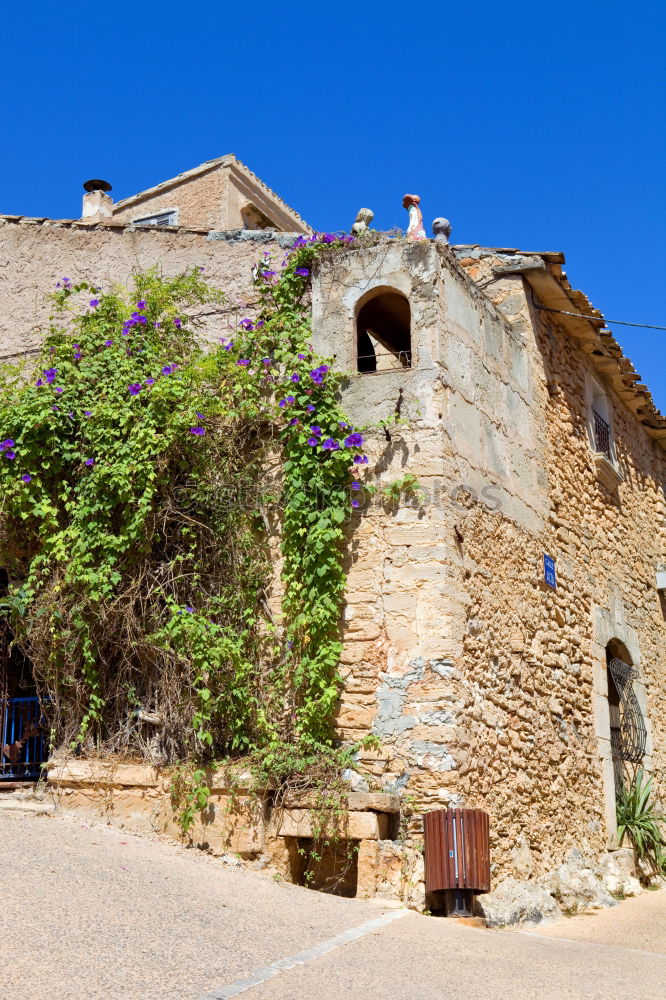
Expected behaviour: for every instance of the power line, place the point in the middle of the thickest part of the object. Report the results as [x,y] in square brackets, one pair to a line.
[600,319]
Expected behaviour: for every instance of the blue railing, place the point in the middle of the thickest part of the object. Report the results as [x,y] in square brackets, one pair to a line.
[23,750]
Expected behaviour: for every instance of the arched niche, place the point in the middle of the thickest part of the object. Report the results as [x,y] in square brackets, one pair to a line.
[383,331]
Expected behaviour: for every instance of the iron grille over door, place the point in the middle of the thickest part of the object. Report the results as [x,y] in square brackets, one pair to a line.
[628,741]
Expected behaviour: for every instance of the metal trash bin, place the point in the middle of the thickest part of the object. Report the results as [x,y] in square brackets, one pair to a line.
[457,857]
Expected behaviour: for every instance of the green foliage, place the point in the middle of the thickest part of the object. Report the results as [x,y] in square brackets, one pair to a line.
[638,819]
[135,508]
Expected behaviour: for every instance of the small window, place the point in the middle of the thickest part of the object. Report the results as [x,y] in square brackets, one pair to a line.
[628,732]
[383,333]
[602,438]
[164,219]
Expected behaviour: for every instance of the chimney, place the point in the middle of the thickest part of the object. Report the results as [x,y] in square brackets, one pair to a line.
[97,204]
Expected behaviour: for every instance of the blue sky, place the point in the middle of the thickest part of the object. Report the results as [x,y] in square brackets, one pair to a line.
[540,126]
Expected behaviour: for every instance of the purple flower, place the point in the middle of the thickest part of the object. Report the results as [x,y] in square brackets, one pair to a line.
[294,421]
[157,325]
[302,272]
[246,324]
[177,323]
[50,374]
[330,445]
[143,320]
[141,304]
[243,361]
[354,440]
[342,424]
[355,485]
[87,413]
[10,454]
[57,389]
[39,383]
[267,361]
[291,399]
[282,403]
[167,370]
[108,343]
[189,608]
[150,381]
[55,408]
[313,441]
[89,461]
[316,430]
[8,443]
[261,322]
[295,378]
[77,356]
[360,459]
[355,503]
[26,478]
[135,388]
[200,416]
[302,357]
[94,303]
[267,275]
[199,431]
[310,408]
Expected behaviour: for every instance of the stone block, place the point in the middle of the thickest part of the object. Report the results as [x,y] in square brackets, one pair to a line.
[93,772]
[350,826]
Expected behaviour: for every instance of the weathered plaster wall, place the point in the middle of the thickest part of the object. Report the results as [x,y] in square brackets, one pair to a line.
[33,257]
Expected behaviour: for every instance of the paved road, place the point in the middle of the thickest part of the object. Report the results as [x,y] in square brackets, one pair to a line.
[91,912]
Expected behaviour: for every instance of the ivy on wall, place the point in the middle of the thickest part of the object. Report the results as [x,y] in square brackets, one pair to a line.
[138,476]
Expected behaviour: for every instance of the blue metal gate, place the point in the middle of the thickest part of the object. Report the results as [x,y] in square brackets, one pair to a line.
[24,749]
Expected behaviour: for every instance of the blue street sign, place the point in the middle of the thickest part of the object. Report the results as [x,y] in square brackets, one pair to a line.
[549,571]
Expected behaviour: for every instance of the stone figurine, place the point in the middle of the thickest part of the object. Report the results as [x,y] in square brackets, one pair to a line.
[415,230]
[441,229]
[362,221]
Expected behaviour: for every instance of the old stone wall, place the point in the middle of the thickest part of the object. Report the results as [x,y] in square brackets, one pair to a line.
[34,256]
[483,683]
[200,202]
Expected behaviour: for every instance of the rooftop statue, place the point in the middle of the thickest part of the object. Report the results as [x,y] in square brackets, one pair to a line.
[415,230]
[441,229]
[362,221]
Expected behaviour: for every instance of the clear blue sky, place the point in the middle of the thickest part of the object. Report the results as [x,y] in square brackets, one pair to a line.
[531,125]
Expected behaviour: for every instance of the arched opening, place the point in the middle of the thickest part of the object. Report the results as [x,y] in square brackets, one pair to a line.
[383,333]
[254,218]
[23,744]
[628,732]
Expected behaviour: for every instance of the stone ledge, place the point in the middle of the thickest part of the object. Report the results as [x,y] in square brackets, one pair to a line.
[607,473]
[379,802]
[90,772]
[350,826]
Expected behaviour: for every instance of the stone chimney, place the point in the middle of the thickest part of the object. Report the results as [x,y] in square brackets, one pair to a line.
[97,204]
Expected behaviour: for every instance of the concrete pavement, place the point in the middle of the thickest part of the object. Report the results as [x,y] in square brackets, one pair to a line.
[91,911]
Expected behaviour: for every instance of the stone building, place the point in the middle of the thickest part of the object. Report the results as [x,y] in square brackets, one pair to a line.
[504,629]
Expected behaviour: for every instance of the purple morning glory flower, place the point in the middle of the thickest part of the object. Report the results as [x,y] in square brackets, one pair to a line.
[267,361]
[55,408]
[135,388]
[189,608]
[87,413]
[310,408]
[10,455]
[360,459]
[199,431]
[295,378]
[355,485]
[330,445]
[157,325]
[141,304]
[291,399]
[282,403]
[108,343]
[150,381]
[200,416]
[261,322]
[342,424]
[316,430]
[57,389]
[302,272]
[94,303]
[267,275]
[177,323]
[302,357]
[294,421]
[26,478]
[78,356]
[39,383]
[89,461]
[243,361]
[246,324]
[8,443]
[167,370]
[313,441]
[50,374]
[355,503]
[354,440]
[143,320]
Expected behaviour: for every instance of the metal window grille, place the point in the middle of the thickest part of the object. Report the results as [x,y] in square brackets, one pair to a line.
[602,439]
[23,750]
[628,741]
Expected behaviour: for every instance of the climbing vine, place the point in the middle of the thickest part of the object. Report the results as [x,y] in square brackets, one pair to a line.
[144,480]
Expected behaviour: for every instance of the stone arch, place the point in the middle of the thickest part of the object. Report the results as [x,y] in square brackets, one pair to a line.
[383,330]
